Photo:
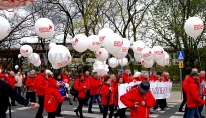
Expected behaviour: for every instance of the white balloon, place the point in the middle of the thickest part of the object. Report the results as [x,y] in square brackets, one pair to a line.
[80,43]
[138,57]
[94,42]
[158,52]
[16,66]
[138,46]
[101,54]
[44,27]
[34,58]
[165,60]
[52,45]
[113,43]
[59,56]
[147,64]
[147,54]
[26,50]
[123,61]
[8,4]
[38,64]
[194,26]
[103,33]
[19,56]
[113,62]
[54,67]
[5,28]
[122,52]
[126,41]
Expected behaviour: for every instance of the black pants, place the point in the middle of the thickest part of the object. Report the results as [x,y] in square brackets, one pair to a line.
[87,97]
[183,102]
[111,109]
[186,110]
[51,115]
[58,110]
[41,106]
[81,103]
[122,112]
[31,96]
[161,103]
[18,90]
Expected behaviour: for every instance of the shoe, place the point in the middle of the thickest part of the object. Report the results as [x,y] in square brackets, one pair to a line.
[85,104]
[181,111]
[59,115]
[115,115]
[14,105]
[81,116]
[101,111]
[71,103]
[76,112]
[90,111]
[151,113]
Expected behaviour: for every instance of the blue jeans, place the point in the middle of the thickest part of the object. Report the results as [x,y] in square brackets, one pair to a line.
[92,98]
[193,112]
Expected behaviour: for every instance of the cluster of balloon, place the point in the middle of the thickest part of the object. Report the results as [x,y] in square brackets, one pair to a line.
[8,4]
[100,67]
[5,28]
[59,56]
[44,28]
[194,26]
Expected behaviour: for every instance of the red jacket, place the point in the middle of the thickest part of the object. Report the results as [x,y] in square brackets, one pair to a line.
[136,79]
[133,96]
[95,85]
[152,78]
[192,92]
[201,78]
[30,82]
[41,84]
[11,80]
[79,86]
[105,92]
[88,79]
[126,77]
[142,78]
[52,96]
[184,85]
[66,78]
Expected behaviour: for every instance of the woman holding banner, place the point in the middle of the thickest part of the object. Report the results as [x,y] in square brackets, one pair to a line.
[139,100]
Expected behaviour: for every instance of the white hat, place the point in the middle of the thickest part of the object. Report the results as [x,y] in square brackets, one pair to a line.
[137,74]
[48,72]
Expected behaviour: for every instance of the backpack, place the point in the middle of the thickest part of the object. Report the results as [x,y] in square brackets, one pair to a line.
[73,91]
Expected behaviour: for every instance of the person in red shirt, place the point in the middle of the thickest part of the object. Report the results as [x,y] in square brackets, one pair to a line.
[12,81]
[81,86]
[52,97]
[95,84]
[125,75]
[139,100]
[202,76]
[41,86]
[108,97]
[144,77]
[87,79]
[153,76]
[137,76]
[66,77]
[30,83]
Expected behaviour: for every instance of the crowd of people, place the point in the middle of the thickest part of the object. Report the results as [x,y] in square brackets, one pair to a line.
[52,89]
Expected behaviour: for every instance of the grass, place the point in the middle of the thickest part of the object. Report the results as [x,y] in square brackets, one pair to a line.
[176,87]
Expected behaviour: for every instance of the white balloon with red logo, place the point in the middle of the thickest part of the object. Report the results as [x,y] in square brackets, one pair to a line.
[52,45]
[8,4]
[44,28]
[113,43]
[113,62]
[19,55]
[158,52]
[194,26]
[34,58]
[103,33]
[16,67]
[147,54]
[102,54]
[80,43]
[138,46]
[26,50]
[126,41]
[94,43]
[59,56]
[138,57]
[165,60]
[54,67]
[5,28]
[37,64]
[123,61]
[147,64]
[122,52]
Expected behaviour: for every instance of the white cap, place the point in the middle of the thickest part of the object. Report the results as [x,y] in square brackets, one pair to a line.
[48,72]
[137,74]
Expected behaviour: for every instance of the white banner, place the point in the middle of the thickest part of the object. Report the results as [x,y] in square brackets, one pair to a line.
[160,90]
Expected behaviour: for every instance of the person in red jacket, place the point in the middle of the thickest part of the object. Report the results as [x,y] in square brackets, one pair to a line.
[139,100]
[66,77]
[125,75]
[137,76]
[144,77]
[108,97]
[81,86]
[193,96]
[153,76]
[12,81]
[41,86]
[30,83]
[95,84]
[87,79]
[52,97]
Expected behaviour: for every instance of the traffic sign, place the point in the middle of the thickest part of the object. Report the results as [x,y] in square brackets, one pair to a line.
[180,55]
[181,64]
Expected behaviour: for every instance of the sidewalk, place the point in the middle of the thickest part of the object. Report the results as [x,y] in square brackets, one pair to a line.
[175,97]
